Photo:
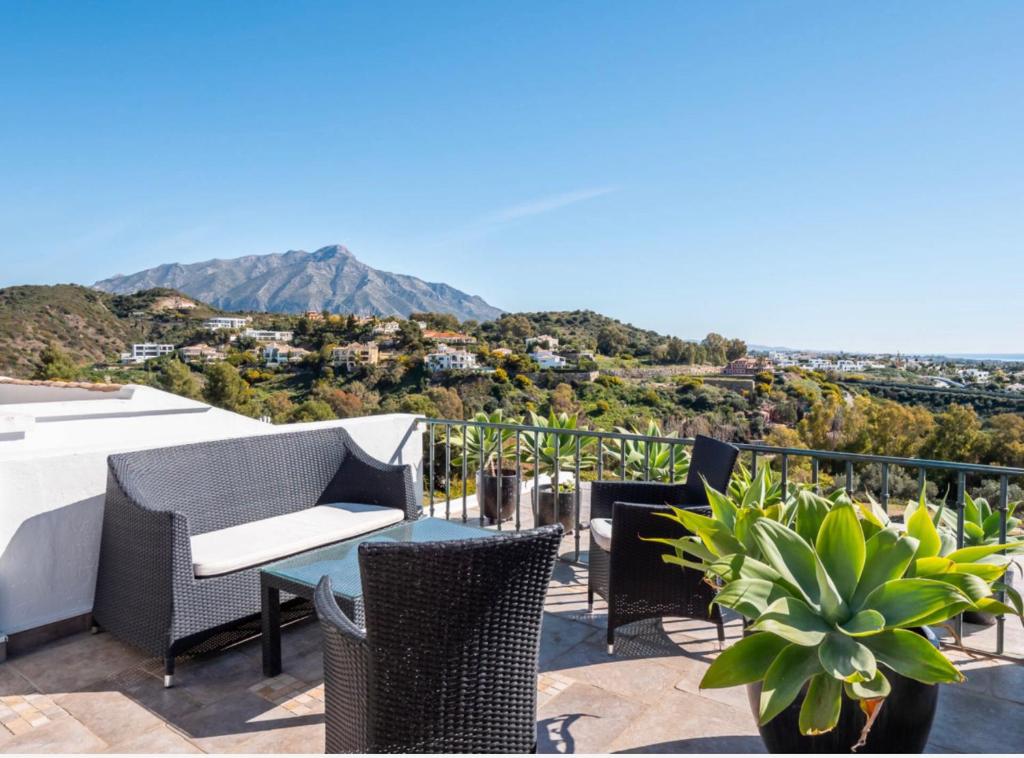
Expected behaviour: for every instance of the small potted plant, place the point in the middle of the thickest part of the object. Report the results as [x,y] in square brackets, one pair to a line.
[837,655]
[485,450]
[557,509]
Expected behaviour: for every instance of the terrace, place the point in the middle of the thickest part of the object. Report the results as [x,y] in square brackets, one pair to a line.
[80,692]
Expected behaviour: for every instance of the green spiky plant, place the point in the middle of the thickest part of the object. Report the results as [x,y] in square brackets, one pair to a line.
[831,602]
[646,459]
[483,447]
[539,451]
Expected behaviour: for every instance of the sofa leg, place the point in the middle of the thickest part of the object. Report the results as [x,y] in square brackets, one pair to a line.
[611,641]
[95,629]
[169,671]
[590,601]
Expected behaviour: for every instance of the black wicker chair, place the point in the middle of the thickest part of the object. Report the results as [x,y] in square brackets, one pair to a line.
[628,572]
[147,593]
[448,662]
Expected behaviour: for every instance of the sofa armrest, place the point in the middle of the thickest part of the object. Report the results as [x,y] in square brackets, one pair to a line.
[364,479]
[604,495]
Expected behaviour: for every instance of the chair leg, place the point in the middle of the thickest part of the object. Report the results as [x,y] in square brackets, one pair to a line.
[168,671]
[611,638]
[721,633]
[590,600]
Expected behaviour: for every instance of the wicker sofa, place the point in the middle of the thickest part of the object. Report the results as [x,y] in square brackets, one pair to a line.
[186,529]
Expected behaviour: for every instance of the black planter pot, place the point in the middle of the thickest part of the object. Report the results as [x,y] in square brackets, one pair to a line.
[902,726]
[566,511]
[493,506]
[979,617]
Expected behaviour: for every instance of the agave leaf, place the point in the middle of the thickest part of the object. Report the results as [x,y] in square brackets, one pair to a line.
[751,597]
[819,713]
[1011,595]
[793,620]
[913,656]
[689,544]
[904,601]
[864,622]
[684,562]
[784,679]
[887,556]
[990,526]
[874,513]
[976,553]
[746,661]
[921,528]
[810,511]
[990,572]
[840,547]
[876,688]
[974,531]
[740,566]
[970,585]
[993,606]
[972,512]
[845,658]
[934,565]
[722,508]
[787,552]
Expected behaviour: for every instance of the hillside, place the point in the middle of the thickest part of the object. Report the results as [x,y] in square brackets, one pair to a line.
[89,325]
[330,278]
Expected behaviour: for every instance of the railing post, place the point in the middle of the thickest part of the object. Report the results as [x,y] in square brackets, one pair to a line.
[578,488]
[536,477]
[785,477]
[600,457]
[465,471]
[447,472]
[519,481]
[431,478]
[922,480]
[1004,485]
[885,487]
[753,463]
[671,464]
[849,479]
[815,475]
[558,466]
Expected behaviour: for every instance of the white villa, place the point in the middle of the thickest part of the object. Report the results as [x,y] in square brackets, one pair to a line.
[226,322]
[143,351]
[547,359]
[266,335]
[543,341]
[450,359]
[277,354]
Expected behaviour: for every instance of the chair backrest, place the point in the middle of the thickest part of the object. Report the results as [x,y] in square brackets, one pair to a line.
[711,460]
[453,632]
[223,483]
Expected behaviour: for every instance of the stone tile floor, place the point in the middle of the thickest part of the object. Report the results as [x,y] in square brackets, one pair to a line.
[91,693]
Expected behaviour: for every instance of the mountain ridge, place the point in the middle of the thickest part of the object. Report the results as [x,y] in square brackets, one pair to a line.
[296,281]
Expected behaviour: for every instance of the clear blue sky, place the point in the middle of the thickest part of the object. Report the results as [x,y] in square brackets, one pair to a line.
[805,174]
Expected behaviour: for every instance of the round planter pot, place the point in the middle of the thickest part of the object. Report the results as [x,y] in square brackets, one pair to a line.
[565,514]
[902,726]
[495,506]
[980,618]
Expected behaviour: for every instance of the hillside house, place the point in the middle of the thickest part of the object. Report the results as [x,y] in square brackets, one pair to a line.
[201,353]
[747,366]
[279,354]
[143,351]
[226,322]
[446,358]
[449,338]
[547,359]
[356,354]
[543,341]
[267,335]
[386,329]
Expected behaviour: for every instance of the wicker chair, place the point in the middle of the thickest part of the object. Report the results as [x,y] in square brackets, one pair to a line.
[628,572]
[448,662]
[147,593]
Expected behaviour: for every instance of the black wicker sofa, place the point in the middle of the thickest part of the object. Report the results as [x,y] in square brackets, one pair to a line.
[186,529]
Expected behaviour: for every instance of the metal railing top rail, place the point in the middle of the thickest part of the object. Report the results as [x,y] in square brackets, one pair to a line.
[834,455]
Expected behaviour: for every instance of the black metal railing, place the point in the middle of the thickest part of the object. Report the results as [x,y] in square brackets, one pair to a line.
[482,440]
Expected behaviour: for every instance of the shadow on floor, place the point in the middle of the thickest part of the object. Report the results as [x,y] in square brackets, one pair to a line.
[725,744]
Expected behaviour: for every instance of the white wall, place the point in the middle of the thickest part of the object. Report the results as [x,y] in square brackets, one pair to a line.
[51,495]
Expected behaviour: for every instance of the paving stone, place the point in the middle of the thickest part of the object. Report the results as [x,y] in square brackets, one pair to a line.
[974,723]
[584,719]
[110,715]
[59,736]
[76,663]
[160,739]
[558,635]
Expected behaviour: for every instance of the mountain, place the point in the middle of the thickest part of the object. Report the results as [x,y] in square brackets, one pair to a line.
[299,281]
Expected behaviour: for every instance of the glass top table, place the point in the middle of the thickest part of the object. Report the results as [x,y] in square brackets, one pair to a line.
[299,575]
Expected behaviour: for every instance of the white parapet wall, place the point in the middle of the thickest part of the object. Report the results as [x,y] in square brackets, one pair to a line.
[53,451]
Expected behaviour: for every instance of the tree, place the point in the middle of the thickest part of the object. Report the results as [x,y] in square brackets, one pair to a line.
[1006,439]
[279,407]
[735,348]
[313,410]
[956,436]
[715,349]
[447,401]
[562,400]
[419,404]
[178,378]
[514,328]
[897,430]
[611,340]
[444,322]
[55,365]
[225,388]
[342,404]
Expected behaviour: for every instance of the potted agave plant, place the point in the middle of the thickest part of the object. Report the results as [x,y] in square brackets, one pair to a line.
[837,600]
[555,453]
[485,451]
[642,459]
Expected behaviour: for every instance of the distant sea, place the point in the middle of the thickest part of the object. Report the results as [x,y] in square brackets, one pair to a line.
[1005,357]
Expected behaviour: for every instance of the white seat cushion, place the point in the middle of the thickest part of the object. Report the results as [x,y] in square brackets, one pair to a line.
[245,545]
[601,528]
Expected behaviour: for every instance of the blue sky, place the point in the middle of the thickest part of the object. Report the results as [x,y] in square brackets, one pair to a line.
[806,174]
